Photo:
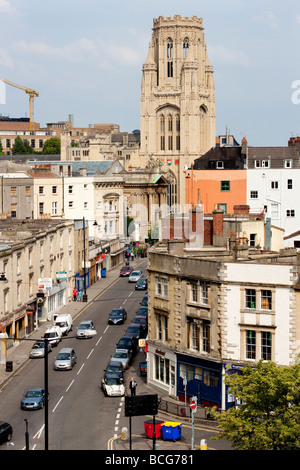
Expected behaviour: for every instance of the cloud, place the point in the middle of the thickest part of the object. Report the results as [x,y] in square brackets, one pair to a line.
[222,55]
[83,51]
[268,18]
[5,7]
[5,59]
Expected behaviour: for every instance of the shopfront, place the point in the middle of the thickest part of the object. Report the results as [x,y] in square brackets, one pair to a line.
[201,378]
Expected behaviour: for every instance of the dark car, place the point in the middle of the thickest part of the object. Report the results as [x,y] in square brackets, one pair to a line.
[144,302]
[114,367]
[128,342]
[117,315]
[142,311]
[125,271]
[134,330]
[143,322]
[141,284]
[6,432]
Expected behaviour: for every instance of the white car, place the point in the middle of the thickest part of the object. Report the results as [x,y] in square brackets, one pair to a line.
[123,356]
[86,329]
[113,385]
[53,334]
[135,276]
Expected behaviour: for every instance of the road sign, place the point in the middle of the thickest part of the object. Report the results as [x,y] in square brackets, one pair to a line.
[193,404]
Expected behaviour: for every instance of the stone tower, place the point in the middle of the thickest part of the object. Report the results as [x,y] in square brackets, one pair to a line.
[177,99]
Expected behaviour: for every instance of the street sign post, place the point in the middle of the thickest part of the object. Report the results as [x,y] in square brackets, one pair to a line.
[193,407]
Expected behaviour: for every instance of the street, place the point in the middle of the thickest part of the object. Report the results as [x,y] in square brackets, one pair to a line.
[80,416]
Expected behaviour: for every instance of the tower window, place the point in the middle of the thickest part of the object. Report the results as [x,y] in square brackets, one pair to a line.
[170,57]
[185,49]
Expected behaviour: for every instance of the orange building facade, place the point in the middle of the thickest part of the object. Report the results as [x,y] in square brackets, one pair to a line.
[216,189]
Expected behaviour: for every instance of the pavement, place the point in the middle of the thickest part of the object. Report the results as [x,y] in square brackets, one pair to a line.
[19,356]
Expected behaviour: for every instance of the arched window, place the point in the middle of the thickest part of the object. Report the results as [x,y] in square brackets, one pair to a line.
[170,58]
[185,48]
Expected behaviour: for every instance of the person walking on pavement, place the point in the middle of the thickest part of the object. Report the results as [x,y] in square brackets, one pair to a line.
[79,296]
[74,294]
[132,387]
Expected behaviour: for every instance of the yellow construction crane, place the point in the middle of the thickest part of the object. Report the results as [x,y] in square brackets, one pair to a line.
[32,94]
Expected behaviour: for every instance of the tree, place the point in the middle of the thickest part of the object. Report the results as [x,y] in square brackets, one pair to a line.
[268,418]
[52,146]
[1,148]
[21,147]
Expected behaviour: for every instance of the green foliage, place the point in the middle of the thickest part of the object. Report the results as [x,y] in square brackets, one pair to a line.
[268,418]
[130,226]
[1,148]
[21,147]
[52,146]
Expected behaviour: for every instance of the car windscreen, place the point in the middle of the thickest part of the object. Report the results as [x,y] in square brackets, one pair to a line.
[63,356]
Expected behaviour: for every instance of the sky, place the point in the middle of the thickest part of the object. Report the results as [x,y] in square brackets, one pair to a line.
[85,58]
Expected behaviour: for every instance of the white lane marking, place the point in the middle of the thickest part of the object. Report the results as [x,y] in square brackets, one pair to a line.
[130,294]
[57,404]
[98,340]
[38,434]
[106,329]
[90,353]
[70,385]
[80,369]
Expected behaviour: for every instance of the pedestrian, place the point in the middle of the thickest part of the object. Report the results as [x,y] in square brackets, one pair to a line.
[79,296]
[74,294]
[132,386]
[132,256]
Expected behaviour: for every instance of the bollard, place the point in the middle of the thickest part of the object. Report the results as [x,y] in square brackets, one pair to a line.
[203,444]
[124,434]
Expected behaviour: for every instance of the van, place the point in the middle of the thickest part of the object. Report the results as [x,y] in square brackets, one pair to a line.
[53,334]
[64,321]
[65,359]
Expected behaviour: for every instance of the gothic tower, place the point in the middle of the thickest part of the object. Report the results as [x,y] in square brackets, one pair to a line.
[177,99]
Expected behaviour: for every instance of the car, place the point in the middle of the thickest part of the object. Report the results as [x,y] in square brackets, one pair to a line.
[33,399]
[65,359]
[144,302]
[143,321]
[6,432]
[141,284]
[123,356]
[142,311]
[115,367]
[53,334]
[113,385]
[135,275]
[128,342]
[134,330]
[38,349]
[125,271]
[117,315]
[86,329]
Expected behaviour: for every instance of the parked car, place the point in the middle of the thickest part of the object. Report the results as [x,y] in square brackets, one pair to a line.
[125,271]
[123,356]
[134,330]
[115,367]
[33,399]
[117,315]
[144,302]
[113,385]
[143,321]
[141,284]
[65,359]
[135,275]
[53,334]
[6,432]
[38,349]
[128,342]
[142,311]
[86,329]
